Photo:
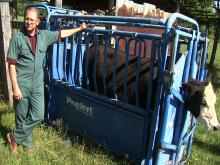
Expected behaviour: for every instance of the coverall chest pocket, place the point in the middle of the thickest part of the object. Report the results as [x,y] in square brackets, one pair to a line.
[41,56]
[42,52]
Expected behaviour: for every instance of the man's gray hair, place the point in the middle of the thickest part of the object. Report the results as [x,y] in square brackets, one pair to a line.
[29,8]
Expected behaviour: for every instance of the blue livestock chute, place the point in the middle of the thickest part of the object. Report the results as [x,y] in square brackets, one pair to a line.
[98,83]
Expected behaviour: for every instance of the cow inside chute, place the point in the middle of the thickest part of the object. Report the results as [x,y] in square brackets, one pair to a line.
[200,98]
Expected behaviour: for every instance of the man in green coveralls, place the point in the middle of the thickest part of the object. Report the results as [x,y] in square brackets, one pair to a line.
[26,54]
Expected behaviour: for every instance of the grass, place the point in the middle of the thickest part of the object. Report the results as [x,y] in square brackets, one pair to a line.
[55,145]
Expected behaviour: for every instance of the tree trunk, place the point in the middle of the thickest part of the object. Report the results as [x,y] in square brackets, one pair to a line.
[215,45]
[5,35]
[57,3]
[178,6]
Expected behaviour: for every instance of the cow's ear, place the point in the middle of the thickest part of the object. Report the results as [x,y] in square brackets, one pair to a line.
[207,81]
[186,88]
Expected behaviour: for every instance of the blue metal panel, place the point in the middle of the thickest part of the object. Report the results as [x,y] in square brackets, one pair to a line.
[98,118]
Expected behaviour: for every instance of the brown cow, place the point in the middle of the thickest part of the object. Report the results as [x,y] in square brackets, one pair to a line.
[120,75]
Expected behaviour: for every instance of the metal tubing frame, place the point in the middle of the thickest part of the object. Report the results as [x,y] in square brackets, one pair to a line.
[123,21]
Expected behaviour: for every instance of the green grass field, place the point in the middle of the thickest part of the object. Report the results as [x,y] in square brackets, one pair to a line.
[54,145]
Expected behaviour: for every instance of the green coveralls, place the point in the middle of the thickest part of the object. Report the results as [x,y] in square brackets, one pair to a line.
[29,111]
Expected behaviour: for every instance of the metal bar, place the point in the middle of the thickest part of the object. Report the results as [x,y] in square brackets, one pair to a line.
[124,33]
[112,18]
[138,73]
[54,71]
[128,24]
[127,48]
[79,55]
[173,53]
[87,62]
[72,60]
[200,61]
[115,67]
[65,55]
[188,60]
[60,60]
[171,20]
[190,141]
[205,47]
[151,74]
[104,64]
[95,62]
[168,146]
[157,108]
[194,57]
[145,48]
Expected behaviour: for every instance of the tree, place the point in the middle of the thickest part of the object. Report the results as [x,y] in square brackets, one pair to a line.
[206,12]
[216,5]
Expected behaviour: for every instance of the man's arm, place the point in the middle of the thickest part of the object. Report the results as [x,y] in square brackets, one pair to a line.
[69,32]
[13,76]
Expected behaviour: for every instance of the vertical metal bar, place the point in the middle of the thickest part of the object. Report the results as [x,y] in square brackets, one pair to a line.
[188,59]
[200,61]
[168,95]
[151,74]
[115,67]
[95,62]
[87,61]
[80,58]
[60,60]
[53,69]
[190,139]
[65,55]
[127,53]
[135,47]
[104,63]
[145,47]
[204,58]
[182,112]
[173,53]
[162,58]
[137,85]
[72,60]
[194,57]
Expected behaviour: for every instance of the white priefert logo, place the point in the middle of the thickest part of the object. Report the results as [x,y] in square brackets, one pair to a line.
[80,106]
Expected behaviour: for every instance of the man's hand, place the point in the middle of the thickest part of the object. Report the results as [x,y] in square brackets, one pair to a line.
[13,75]
[17,94]
[83,26]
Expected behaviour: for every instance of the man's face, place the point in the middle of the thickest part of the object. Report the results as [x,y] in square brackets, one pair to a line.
[31,20]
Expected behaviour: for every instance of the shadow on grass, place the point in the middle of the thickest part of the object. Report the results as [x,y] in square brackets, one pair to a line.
[212,148]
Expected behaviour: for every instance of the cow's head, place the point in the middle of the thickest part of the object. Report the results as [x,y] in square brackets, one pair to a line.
[200,101]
